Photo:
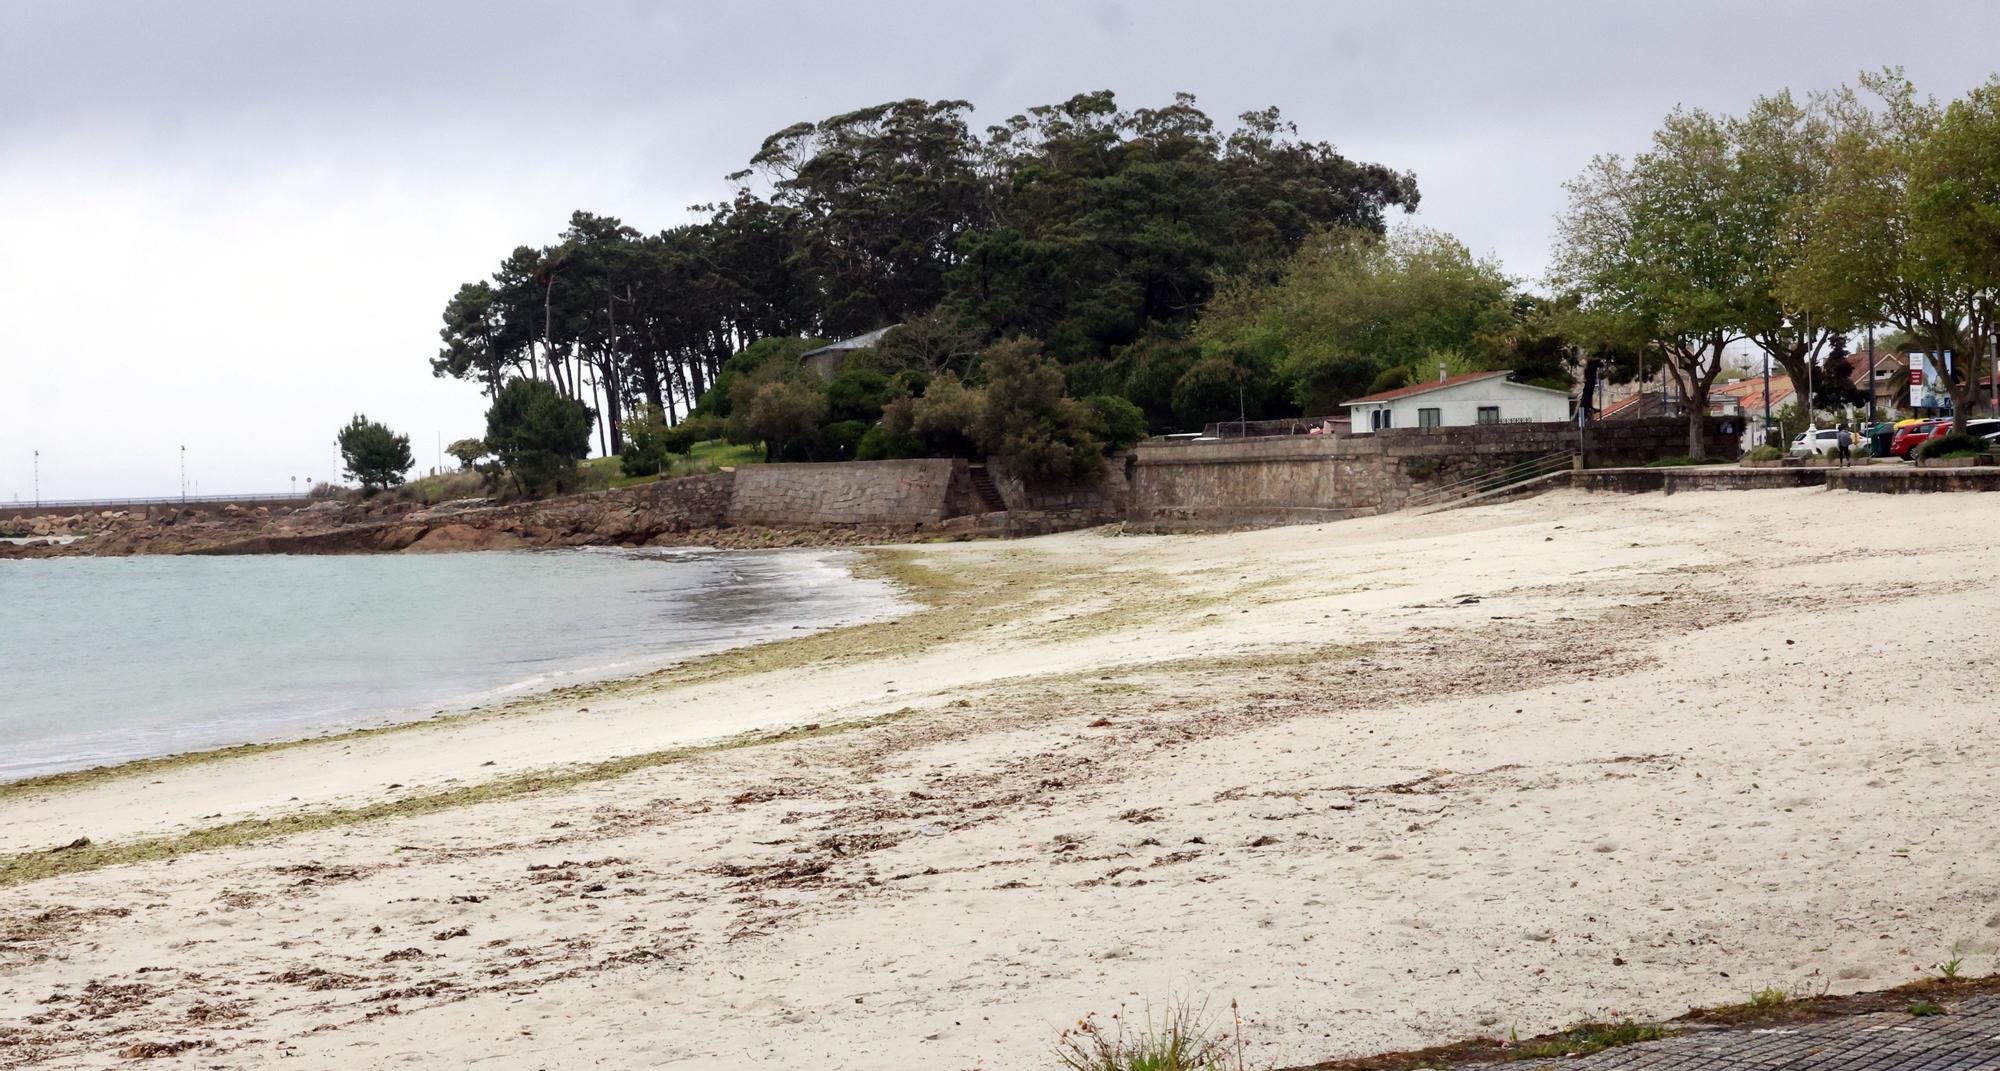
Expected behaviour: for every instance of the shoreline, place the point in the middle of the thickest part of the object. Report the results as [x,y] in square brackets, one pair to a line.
[544,686]
[1297,766]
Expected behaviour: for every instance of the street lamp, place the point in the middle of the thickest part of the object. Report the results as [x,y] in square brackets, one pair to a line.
[38,479]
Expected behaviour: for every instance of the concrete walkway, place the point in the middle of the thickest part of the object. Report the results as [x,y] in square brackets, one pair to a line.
[1965,1038]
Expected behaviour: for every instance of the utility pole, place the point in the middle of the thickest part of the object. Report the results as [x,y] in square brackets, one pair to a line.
[38,479]
[1767,398]
[1871,373]
[184,474]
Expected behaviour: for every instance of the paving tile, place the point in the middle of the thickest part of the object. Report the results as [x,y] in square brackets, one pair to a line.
[1966,1038]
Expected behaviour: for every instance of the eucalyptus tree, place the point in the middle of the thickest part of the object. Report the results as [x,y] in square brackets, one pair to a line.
[1662,248]
[1903,231]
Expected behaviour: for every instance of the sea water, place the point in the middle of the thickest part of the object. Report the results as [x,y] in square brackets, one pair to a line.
[109,659]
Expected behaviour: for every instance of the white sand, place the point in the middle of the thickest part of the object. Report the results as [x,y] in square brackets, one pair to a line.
[1608,786]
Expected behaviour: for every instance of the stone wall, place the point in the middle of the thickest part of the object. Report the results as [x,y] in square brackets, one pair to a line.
[1111,495]
[1247,483]
[909,492]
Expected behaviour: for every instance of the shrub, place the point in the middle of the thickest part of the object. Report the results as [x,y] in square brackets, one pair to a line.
[693,428]
[1029,422]
[1113,421]
[841,440]
[884,443]
[538,434]
[373,454]
[1955,444]
[779,413]
[1673,462]
[856,395]
[1764,453]
[946,419]
[645,450]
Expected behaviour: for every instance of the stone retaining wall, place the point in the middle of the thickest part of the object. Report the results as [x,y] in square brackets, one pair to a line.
[1257,482]
[913,492]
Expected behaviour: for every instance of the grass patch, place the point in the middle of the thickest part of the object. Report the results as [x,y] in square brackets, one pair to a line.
[36,866]
[1586,1039]
[1926,1007]
[1673,462]
[1184,1039]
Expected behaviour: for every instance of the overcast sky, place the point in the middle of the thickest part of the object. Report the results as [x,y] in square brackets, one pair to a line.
[231,225]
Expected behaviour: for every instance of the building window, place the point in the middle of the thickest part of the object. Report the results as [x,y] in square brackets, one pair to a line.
[1489,414]
[1430,418]
[1388,418]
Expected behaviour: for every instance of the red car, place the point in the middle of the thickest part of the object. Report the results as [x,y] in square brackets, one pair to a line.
[1910,438]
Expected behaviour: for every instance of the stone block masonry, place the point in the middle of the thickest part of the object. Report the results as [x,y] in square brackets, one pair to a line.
[1254,482]
[913,492]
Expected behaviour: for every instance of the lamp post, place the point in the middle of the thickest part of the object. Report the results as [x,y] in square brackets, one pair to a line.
[184,474]
[38,479]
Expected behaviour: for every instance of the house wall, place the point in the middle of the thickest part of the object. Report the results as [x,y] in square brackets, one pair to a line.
[1459,406]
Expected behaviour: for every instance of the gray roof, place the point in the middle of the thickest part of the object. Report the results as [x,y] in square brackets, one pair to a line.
[858,342]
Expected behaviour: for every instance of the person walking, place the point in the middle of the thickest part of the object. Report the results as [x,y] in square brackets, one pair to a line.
[1844,441]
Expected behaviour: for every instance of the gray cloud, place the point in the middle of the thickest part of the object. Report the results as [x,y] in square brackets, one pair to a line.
[279,197]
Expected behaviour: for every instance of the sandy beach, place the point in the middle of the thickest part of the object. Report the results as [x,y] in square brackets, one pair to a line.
[1386,783]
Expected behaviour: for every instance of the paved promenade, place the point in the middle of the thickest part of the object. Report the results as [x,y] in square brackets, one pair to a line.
[1965,1038]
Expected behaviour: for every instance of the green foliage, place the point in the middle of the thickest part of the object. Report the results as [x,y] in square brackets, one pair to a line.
[538,434]
[857,395]
[1923,1008]
[1672,462]
[1030,423]
[779,411]
[1181,1040]
[374,455]
[693,430]
[762,360]
[1113,421]
[646,447]
[1666,250]
[1902,229]
[467,451]
[883,442]
[1082,223]
[1150,367]
[1214,389]
[946,419]
[841,440]
[1955,444]
[1349,306]
[1764,453]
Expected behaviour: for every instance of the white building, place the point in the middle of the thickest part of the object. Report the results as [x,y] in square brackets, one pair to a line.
[1457,401]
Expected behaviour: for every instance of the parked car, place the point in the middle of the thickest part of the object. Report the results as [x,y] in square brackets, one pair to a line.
[1908,438]
[1816,441]
[1988,428]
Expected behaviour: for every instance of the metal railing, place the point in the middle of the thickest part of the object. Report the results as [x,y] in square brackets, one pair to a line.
[1519,472]
[170,500]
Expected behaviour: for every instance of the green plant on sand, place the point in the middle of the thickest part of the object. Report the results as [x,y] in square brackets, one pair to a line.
[1764,453]
[1185,1038]
[1589,1038]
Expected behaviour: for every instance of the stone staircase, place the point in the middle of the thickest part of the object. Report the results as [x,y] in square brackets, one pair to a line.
[989,495]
